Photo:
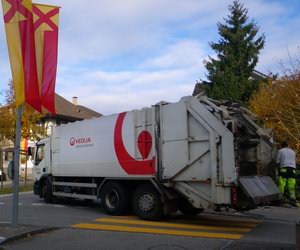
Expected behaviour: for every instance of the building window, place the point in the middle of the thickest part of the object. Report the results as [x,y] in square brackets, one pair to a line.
[8,155]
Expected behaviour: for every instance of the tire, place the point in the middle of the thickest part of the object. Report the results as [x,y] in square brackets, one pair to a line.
[146,203]
[115,198]
[188,209]
[47,191]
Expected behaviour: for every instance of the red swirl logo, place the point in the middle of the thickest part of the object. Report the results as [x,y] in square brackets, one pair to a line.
[72,141]
[128,163]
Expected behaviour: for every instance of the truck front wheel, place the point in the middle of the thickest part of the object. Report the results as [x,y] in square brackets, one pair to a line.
[47,191]
[146,203]
[115,198]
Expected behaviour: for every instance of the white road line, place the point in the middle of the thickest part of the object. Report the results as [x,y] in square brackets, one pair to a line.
[7,195]
[1,203]
[20,203]
[58,206]
[37,204]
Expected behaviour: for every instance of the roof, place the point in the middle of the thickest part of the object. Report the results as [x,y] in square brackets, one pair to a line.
[256,75]
[67,111]
[89,111]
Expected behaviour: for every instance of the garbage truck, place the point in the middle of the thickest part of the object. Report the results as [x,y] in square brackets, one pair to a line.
[188,156]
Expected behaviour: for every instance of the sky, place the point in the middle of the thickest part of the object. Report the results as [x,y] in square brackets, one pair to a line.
[119,55]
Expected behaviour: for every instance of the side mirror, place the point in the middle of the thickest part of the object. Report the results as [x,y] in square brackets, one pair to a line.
[11,170]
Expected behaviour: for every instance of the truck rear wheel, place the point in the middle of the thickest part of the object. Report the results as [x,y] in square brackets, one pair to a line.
[146,203]
[188,209]
[115,198]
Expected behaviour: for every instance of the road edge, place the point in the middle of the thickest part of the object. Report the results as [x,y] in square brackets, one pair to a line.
[26,234]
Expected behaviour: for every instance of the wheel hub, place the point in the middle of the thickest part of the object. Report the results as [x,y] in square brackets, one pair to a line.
[112,199]
[146,202]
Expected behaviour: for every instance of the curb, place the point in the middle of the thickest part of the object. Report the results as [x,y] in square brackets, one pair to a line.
[4,240]
[238,215]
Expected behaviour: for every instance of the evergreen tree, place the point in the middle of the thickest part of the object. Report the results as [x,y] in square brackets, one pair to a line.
[237,55]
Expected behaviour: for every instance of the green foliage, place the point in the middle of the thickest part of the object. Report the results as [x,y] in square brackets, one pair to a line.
[237,55]
[22,188]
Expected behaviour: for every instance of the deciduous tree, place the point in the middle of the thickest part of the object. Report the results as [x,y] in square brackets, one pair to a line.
[277,103]
[31,127]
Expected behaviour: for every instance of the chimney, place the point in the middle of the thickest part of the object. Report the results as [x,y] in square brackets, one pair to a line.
[75,100]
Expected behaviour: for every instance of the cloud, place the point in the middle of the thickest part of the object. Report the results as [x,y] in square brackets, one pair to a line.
[186,53]
[98,30]
[168,76]
[158,45]
[120,55]
[132,94]
[281,40]
[141,89]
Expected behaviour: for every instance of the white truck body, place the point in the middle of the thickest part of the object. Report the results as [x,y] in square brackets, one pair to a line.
[183,148]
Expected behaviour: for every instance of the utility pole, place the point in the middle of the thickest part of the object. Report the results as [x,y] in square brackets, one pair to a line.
[1,167]
[15,211]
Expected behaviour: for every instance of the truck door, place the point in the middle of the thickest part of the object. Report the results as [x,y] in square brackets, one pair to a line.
[40,161]
[55,151]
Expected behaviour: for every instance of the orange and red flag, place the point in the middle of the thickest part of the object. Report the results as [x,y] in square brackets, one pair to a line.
[18,21]
[46,46]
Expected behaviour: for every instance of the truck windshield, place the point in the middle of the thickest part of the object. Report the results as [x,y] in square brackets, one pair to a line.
[40,153]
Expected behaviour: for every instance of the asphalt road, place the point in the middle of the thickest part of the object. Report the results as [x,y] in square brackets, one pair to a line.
[86,226]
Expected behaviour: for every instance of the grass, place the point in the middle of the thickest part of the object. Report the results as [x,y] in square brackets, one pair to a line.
[22,188]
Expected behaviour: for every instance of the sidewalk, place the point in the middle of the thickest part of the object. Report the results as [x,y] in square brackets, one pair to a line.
[7,233]
[284,212]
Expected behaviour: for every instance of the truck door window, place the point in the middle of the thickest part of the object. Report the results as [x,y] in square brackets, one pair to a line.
[40,153]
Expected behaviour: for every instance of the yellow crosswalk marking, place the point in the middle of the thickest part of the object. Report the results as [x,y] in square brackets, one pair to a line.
[173,225]
[232,223]
[227,218]
[195,227]
[156,231]
[210,221]
[126,216]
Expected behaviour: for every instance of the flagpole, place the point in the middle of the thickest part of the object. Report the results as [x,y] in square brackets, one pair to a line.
[16,168]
